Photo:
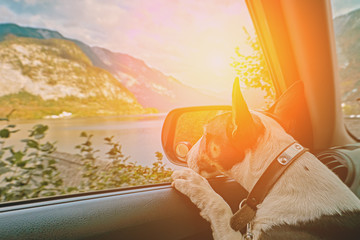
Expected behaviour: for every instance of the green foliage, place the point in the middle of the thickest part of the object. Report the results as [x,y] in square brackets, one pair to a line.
[118,171]
[252,69]
[350,108]
[32,172]
[29,172]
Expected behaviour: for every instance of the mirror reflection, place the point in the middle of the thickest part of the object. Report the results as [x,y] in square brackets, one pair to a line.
[190,128]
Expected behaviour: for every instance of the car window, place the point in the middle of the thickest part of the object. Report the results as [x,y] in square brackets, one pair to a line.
[347,28]
[85,86]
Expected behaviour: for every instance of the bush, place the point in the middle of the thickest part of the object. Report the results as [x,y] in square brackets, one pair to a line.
[31,172]
[119,171]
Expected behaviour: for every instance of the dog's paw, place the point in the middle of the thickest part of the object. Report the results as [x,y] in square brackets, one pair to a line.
[193,185]
[197,188]
[182,178]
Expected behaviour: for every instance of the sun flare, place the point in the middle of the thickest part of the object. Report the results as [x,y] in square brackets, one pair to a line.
[217,62]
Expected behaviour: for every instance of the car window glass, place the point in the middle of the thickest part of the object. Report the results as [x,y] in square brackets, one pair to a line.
[347,28]
[85,86]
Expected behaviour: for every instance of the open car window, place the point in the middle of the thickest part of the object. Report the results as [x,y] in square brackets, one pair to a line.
[346,25]
[85,86]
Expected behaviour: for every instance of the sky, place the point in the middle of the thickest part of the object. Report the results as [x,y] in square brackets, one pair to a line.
[194,41]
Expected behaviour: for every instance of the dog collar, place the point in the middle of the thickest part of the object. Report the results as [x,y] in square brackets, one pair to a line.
[273,172]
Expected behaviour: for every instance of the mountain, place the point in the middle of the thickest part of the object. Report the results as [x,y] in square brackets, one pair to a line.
[150,87]
[10,28]
[347,35]
[58,76]
[41,33]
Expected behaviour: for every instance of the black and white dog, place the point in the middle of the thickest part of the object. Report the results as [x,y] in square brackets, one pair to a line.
[307,202]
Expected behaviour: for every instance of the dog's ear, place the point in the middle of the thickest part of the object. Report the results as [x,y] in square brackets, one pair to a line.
[243,122]
[292,112]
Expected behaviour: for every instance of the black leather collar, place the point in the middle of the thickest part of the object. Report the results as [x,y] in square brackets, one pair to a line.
[277,167]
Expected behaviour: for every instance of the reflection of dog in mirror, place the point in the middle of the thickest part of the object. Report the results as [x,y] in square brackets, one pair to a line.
[307,202]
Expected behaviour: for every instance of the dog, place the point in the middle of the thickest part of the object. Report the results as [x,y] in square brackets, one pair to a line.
[307,202]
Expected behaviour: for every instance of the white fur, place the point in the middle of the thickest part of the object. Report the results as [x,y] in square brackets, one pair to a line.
[299,195]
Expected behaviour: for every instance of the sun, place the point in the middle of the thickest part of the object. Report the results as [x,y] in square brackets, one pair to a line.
[218,62]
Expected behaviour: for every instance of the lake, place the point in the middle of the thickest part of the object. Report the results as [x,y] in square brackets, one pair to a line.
[140,135]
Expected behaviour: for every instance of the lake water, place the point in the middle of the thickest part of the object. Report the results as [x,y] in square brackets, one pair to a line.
[140,136]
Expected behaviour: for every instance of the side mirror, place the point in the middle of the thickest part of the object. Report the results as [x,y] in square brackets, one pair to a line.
[183,127]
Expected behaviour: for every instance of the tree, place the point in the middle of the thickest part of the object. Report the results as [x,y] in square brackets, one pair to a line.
[252,69]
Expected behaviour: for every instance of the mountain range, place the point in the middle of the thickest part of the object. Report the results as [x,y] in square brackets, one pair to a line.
[135,80]
[43,65]
[347,35]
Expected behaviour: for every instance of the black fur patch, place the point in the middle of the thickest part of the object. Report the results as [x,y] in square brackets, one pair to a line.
[334,227]
[231,151]
[248,136]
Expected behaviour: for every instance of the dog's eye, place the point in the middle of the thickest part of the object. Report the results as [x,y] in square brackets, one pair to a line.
[214,150]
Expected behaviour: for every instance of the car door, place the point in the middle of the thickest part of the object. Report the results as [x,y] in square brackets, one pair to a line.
[159,212]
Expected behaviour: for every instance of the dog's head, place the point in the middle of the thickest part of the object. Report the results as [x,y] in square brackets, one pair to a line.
[236,137]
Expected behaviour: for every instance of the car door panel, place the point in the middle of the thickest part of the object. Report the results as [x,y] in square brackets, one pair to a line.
[154,212]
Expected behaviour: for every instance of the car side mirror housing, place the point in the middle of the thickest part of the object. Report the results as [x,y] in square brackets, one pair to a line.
[183,127]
